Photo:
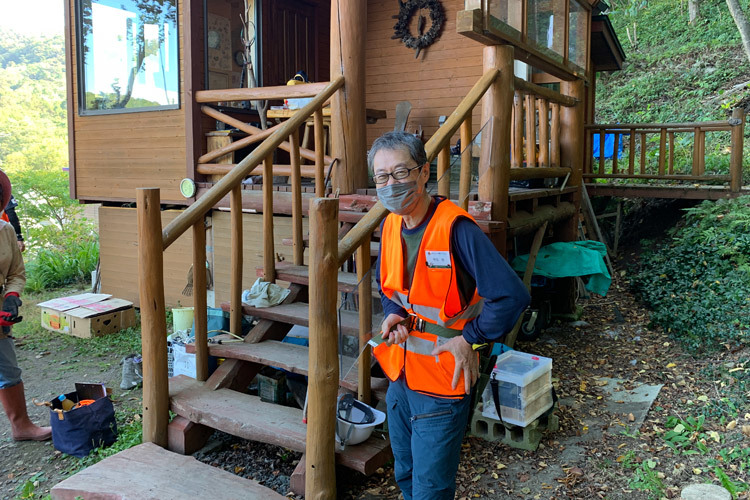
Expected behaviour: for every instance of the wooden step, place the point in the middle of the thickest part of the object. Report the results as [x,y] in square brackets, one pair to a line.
[298,314]
[347,282]
[250,418]
[290,357]
[148,471]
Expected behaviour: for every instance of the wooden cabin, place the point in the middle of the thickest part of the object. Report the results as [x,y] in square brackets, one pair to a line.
[195,167]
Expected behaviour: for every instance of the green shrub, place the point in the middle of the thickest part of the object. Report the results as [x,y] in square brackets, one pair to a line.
[54,267]
[698,283]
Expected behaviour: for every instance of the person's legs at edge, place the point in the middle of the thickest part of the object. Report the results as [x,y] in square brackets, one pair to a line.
[438,426]
[399,430]
[13,399]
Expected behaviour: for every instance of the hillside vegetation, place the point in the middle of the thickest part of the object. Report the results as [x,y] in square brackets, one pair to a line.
[675,71]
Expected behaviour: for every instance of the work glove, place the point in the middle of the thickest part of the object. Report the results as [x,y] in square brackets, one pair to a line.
[9,314]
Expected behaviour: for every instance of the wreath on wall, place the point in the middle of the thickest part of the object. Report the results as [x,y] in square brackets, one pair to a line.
[422,40]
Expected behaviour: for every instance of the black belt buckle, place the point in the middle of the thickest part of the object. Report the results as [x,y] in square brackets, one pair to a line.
[416,323]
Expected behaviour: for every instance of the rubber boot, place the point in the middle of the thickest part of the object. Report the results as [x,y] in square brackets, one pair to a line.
[14,402]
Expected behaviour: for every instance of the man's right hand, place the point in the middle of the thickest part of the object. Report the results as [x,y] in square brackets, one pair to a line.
[392,331]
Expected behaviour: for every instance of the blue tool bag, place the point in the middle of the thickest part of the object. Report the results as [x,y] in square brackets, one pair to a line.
[80,430]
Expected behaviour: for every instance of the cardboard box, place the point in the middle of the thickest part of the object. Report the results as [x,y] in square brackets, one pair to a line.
[87,315]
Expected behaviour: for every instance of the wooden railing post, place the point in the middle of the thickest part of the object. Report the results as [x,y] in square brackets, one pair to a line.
[269,257]
[464,183]
[530,130]
[298,246]
[320,187]
[543,105]
[444,171]
[554,156]
[364,278]
[571,141]
[517,157]
[494,163]
[323,375]
[348,135]
[199,300]
[735,165]
[235,293]
[153,317]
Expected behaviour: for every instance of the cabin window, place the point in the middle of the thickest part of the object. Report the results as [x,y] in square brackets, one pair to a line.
[578,30]
[127,55]
[509,12]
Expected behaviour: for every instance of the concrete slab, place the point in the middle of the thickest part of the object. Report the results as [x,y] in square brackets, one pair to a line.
[636,400]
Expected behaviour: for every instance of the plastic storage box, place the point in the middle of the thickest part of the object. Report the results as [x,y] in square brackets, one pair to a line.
[524,388]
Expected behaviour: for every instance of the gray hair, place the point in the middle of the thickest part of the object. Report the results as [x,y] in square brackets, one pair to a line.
[398,140]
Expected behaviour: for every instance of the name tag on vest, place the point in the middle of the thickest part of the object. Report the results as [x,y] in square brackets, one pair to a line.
[437,259]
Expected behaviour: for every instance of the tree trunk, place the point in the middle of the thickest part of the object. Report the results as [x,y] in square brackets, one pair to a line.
[742,25]
[694,8]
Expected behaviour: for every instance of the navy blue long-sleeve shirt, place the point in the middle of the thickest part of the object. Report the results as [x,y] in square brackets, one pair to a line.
[505,295]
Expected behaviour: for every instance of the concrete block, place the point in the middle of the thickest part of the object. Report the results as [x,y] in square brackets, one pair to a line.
[524,438]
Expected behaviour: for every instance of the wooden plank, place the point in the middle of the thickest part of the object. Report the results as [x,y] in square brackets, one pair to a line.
[290,357]
[298,314]
[142,471]
[250,418]
[347,282]
[688,192]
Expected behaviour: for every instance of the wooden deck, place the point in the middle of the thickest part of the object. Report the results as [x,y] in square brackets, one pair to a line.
[148,472]
[687,192]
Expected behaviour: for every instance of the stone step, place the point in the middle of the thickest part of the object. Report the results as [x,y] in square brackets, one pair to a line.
[347,282]
[290,357]
[250,418]
[298,314]
[147,472]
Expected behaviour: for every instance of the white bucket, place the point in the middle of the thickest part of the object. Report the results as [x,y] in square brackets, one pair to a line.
[182,318]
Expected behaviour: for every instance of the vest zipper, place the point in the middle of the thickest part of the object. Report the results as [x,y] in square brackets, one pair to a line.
[429,415]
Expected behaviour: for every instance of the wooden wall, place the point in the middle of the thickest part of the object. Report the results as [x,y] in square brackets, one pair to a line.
[434,83]
[118,255]
[115,154]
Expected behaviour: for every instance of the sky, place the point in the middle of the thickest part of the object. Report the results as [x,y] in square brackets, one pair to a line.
[33,17]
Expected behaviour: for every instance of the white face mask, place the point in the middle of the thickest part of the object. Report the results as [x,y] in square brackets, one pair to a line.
[398,198]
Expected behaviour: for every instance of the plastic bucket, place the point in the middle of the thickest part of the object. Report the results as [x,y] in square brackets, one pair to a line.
[182,318]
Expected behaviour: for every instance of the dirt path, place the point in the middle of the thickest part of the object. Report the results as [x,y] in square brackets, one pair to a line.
[597,452]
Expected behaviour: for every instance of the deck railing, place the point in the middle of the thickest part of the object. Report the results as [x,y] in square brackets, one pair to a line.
[679,154]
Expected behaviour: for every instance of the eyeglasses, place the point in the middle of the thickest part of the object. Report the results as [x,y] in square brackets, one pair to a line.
[398,174]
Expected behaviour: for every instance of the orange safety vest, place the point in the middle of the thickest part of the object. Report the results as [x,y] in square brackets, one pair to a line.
[433,296]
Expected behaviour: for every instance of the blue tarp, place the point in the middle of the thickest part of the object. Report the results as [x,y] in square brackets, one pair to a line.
[609,145]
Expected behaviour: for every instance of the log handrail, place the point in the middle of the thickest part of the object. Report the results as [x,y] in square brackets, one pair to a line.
[686,125]
[195,211]
[362,230]
[526,87]
[262,93]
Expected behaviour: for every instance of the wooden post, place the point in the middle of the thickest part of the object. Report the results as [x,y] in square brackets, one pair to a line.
[554,157]
[571,141]
[298,246]
[269,256]
[364,278]
[615,148]
[320,187]
[348,138]
[444,171]
[235,284]
[631,158]
[602,137]
[696,150]
[494,163]
[662,150]
[517,160]
[199,300]
[323,374]
[543,132]
[643,153]
[530,130]
[671,153]
[466,163]
[702,152]
[735,163]
[153,317]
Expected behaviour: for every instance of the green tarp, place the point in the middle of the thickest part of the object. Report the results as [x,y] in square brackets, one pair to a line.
[566,259]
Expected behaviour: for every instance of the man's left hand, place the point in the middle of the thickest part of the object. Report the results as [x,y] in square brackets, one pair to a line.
[467,361]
